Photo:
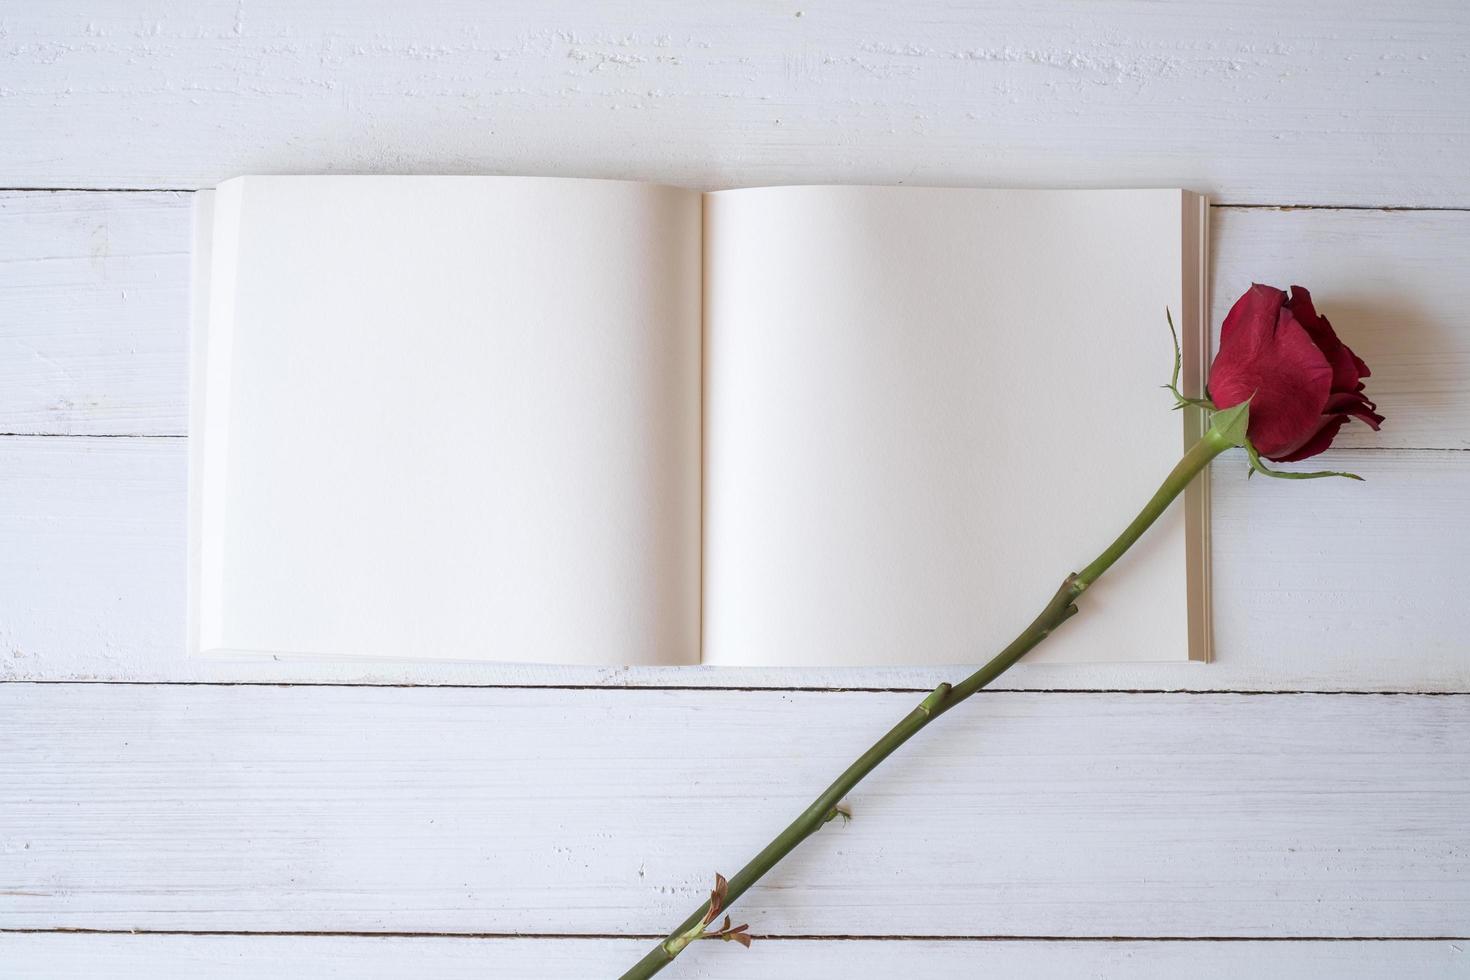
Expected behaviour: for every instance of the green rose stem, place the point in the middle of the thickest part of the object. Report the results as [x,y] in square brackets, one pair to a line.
[1228,430]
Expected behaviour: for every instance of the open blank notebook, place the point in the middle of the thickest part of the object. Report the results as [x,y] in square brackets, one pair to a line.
[596,422]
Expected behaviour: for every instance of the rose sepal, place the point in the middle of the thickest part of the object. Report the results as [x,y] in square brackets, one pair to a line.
[1259,467]
[1230,425]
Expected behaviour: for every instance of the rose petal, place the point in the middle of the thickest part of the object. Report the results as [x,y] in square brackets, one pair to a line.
[1345,373]
[1355,404]
[1347,367]
[1258,305]
[1266,356]
[1362,366]
[1315,444]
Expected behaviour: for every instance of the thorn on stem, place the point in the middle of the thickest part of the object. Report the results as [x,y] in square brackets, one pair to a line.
[731,934]
[716,898]
[840,810]
[727,932]
[936,698]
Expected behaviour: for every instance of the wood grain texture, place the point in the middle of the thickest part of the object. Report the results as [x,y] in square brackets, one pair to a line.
[94,292]
[1278,103]
[1325,586]
[144,957]
[606,812]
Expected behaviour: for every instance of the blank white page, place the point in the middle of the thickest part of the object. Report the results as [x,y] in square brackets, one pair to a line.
[924,407]
[449,417]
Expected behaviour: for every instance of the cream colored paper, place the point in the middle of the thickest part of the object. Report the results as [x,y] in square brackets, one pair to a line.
[449,418]
[459,418]
[924,407]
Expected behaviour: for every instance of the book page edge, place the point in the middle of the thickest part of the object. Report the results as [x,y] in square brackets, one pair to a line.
[1195,237]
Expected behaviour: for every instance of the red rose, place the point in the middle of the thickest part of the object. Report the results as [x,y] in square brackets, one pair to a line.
[1302,382]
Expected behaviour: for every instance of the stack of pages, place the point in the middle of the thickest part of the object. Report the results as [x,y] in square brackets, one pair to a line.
[596,422]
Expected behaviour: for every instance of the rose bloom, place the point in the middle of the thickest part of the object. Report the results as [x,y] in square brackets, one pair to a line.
[1302,382]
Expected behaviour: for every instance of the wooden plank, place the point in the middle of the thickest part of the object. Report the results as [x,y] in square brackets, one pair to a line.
[96,285]
[1330,585]
[607,812]
[94,334]
[89,957]
[1283,103]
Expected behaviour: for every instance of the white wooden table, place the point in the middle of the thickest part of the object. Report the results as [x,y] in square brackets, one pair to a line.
[1299,808]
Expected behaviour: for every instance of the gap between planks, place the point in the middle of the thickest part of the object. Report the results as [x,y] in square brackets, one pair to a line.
[738,689]
[793,937]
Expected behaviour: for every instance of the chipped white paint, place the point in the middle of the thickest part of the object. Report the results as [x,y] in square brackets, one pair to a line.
[1287,103]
